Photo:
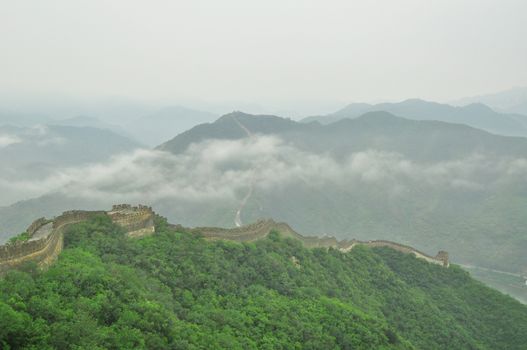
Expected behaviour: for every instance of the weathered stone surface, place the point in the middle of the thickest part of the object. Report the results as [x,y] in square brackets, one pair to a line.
[46,240]
[48,236]
[262,228]
[137,221]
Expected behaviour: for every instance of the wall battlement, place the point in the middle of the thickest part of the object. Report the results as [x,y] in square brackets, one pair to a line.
[440,259]
[137,221]
[47,236]
[262,228]
[35,225]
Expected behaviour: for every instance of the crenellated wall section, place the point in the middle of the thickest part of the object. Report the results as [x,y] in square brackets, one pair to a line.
[35,225]
[137,221]
[39,251]
[46,237]
[262,228]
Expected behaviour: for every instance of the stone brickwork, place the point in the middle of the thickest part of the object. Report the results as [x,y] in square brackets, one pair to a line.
[14,255]
[440,259]
[35,225]
[46,236]
[137,221]
[74,216]
[262,228]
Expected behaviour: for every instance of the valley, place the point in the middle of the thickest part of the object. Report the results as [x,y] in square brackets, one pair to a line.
[261,175]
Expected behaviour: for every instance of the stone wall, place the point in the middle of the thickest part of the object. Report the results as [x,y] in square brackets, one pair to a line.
[443,257]
[440,259]
[250,232]
[35,225]
[45,250]
[137,221]
[39,251]
[262,228]
[21,248]
[73,217]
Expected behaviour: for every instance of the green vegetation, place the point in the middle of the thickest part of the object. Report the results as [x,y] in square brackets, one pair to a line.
[24,236]
[174,290]
[480,222]
[482,226]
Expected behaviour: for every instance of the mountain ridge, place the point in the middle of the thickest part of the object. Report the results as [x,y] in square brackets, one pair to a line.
[510,101]
[44,240]
[226,128]
[476,114]
[175,288]
[428,184]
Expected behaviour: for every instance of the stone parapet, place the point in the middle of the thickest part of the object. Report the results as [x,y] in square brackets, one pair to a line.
[262,228]
[35,225]
[48,241]
[139,222]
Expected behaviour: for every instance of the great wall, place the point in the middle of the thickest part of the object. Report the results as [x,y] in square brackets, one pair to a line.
[46,237]
[262,228]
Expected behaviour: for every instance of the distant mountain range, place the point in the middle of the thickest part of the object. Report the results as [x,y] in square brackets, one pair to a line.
[81,121]
[430,184]
[32,153]
[162,125]
[9,117]
[483,225]
[418,140]
[476,115]
[510,101]
[135,121]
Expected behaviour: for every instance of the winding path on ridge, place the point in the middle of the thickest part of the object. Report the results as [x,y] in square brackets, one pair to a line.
[238,217]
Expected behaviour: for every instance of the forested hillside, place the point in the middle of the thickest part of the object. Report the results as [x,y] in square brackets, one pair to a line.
[176,290]
[429,184]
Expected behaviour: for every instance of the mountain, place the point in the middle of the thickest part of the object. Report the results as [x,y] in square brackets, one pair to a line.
[131,119]
[228,127]
[419,140]
[476,115]
[162,125]
[510,101]
[431,184]
[61,145]
[92,122]
[14,118]
[31,153]
[177,290]
[15,218]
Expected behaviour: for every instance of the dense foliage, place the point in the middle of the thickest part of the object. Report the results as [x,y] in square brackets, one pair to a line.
[175,290]
[480,221]
[432,185]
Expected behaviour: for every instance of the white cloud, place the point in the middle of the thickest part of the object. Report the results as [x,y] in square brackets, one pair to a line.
[225,169]
[7,140]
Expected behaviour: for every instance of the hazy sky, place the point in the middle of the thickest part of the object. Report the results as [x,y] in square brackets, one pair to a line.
[277,52]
